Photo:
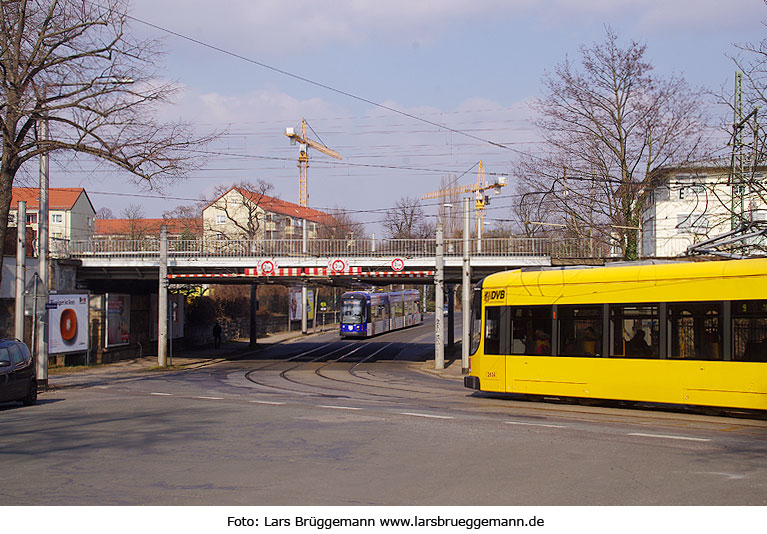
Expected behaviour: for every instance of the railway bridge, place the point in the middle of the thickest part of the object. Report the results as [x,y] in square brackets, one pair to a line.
[150,266]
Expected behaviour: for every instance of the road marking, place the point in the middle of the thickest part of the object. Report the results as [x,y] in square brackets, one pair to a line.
[338,407]
[535,424]
[664,436]
[102,387]
[210,398]
[162,394]
[426,415]
[268,402]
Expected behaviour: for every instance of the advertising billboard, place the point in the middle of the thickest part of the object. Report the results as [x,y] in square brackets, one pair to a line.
[118,319]
[294,304]
[67,323]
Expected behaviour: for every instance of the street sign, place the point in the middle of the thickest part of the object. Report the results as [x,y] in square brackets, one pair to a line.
[397,264]
[266,267]
[337,265]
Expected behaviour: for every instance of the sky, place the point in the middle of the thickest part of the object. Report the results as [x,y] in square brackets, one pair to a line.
[472,66]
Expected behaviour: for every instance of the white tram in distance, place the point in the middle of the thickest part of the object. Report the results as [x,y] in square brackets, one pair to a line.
[365,313]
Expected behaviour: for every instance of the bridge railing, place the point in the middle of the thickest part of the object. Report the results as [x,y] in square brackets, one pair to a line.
[409,248]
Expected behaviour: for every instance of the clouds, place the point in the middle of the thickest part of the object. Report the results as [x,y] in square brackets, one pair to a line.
[276,27]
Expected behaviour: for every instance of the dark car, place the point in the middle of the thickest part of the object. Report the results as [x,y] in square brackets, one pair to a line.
[17,373]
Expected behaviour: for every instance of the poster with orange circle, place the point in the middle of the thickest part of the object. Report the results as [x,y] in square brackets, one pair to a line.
[67,323]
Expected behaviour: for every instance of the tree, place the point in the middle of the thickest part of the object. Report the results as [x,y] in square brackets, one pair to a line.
[73,66]
[608,123]
[339,224]
[135,227]
[104,213]
[406,220]
[242,207]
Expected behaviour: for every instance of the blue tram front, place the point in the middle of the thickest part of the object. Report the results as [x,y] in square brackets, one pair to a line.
[355,313]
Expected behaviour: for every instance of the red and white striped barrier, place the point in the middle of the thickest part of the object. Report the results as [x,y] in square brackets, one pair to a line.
[220,275]
[324,271]
[398,274]
[279,271]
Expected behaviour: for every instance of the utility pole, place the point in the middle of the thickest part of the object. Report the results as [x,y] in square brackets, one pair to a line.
[439,303]
[162,300]
[466,286]
[253,309]
[304,300]
[21,242]
[43,268]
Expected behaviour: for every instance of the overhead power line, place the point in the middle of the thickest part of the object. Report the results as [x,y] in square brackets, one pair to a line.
[319,84]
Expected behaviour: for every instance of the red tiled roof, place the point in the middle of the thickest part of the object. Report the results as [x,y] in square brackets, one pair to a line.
[59,198]
[149,226]
[275,205]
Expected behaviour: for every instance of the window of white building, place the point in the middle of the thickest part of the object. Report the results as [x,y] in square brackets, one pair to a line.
[220,219]
[57,218]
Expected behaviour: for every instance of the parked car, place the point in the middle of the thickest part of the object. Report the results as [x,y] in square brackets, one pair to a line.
[17,373]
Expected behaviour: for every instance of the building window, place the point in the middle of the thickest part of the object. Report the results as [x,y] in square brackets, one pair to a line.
[220,219]
[57,218]
[691,223]
[31,218]
[11,218]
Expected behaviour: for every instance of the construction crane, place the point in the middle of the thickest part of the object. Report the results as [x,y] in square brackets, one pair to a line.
[480,198]
[303,158]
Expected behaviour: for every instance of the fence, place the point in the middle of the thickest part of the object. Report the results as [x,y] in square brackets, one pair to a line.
[409,248]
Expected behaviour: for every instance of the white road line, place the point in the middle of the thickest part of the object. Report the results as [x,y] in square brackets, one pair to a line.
[268,402]
[210,398]
[102,387]
[426,415]
[546,425]
[162,394]
[338,407]
[664,436]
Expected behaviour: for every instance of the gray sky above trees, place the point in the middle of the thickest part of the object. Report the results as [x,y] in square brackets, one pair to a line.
[472,66]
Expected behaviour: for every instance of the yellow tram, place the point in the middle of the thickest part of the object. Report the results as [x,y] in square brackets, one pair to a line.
[683,333]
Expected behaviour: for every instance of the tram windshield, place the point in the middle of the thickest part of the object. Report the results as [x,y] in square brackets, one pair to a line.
[353,311]
[476,320]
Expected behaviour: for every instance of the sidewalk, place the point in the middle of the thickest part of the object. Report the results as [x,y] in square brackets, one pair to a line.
[184,359]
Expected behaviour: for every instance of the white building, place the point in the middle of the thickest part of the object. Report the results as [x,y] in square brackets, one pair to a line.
[243,214]
[70,212]
[691,205]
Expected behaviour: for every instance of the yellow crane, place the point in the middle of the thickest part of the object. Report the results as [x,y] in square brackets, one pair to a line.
[481,200]
[303,158]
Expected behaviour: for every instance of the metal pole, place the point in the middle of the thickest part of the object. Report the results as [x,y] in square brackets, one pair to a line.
[466,290]
[162,300]
[304,311]
[439,297]
[21,241]
[373,243]
[42,261]
[253,308]
[451,316]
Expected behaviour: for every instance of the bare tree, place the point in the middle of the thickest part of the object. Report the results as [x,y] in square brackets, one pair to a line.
[339,224]
[407,220]
[243,210]
[135,226]
[104,213]
[608,123]
[74,66]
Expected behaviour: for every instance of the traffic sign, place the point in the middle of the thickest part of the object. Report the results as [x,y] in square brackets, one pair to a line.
[266,267]
[397,264]
[337,265]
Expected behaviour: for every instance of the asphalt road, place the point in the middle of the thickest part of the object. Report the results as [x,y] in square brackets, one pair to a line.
[330,422]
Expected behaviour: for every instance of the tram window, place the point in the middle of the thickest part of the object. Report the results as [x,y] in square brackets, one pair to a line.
[531,330]
[476,320]
[493,330]
[634,331]
[695,330]
[580,330]
[749,330]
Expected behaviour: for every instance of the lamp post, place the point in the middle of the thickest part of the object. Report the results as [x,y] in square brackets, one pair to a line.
[42,261]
